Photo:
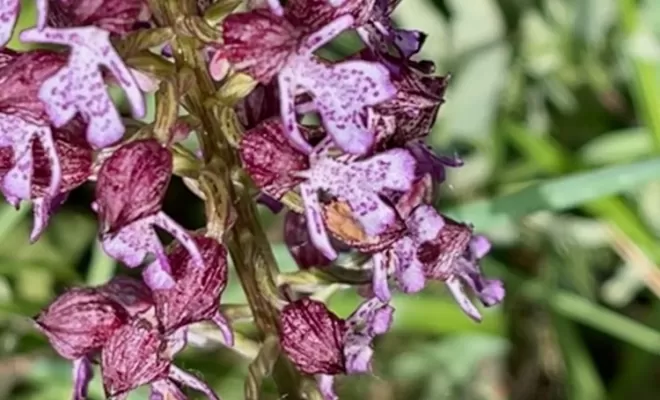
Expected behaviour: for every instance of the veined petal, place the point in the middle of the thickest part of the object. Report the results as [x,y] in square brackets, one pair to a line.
[270,160]
[114,16]
[133,357]
[131,183]
[79,87]
[131,293]
[313,337]
[196,292]
[298,241]
[257,42]
[43,208]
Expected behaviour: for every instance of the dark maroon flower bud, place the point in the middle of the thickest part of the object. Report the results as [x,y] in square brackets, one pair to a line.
[319,342]
[132,183]
[115,16]
[136,355]
[196,293]
[80,321]
[313,337]
[129,192]
[21,79]
[139,354]
[270,159]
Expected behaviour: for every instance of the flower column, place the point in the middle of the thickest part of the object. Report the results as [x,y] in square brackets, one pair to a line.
[254,261]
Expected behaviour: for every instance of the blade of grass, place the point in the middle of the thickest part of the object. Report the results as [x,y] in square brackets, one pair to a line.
[578,309]
[563,193]
[611,209]
[646,95]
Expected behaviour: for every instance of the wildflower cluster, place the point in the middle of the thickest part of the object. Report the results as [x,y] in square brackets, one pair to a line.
[358,181]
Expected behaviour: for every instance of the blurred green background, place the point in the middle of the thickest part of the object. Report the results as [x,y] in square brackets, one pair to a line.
[555,105]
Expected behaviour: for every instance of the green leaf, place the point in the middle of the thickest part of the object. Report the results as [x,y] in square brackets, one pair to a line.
[557,194]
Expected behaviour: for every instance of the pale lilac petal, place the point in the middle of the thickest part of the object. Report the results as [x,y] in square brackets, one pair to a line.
[132,243]
[43,208]
[393,169]
[286,81]
[276,7]
[371,318]
[42,13]
[479,246]
[225,328]
[180,234]
[341,92]
[324,35]
[409,271]
[425,223]
[80,87]
[456,289]
[326,383]
[165,389]
[186,379]
[157,277]
[358,356]
[315,224]
[409,42]
[177,341]
[82,375]
[18,180]
[380,283]
[9,10]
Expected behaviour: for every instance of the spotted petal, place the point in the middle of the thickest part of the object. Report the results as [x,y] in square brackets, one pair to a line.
[79,87]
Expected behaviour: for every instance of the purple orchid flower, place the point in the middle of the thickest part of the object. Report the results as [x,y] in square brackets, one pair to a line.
[129,192]
[320,343]
[340,92]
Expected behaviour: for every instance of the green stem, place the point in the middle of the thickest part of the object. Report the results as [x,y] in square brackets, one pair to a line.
[646,95]
[247,243]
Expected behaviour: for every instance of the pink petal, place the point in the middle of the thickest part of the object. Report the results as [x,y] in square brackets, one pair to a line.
[82,376]
[222,324]
[9,10]
[182,236]
[287,86]
[409,271]
[326,383]
[325,34]
[186,379]
[43,209]
[425,223]
[456,289]
[380,281]
[165,389]
[341,92]
[79,86]
[131,244]
[257,43]
[157,277]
